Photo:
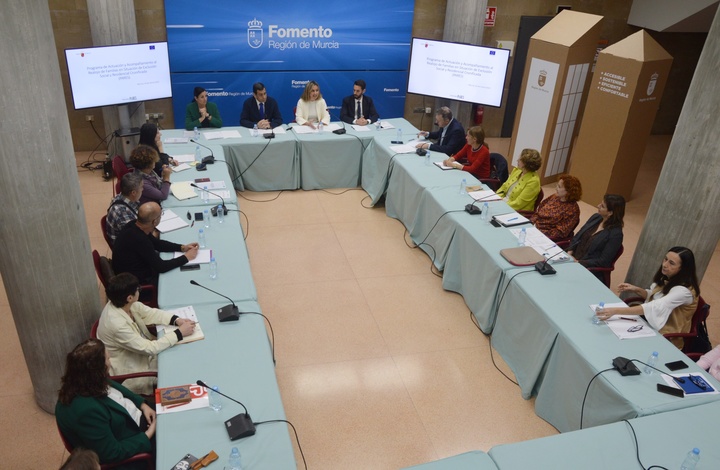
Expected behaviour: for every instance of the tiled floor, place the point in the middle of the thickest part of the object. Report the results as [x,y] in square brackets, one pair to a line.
[378,366]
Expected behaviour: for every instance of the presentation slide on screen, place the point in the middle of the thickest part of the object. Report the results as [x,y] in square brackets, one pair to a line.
[101,76]
[458,71]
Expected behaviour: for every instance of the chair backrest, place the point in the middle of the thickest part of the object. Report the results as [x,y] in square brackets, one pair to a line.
[540,197]
[94,328]
[103,227]
[499,166]
[103,268]
[120,169]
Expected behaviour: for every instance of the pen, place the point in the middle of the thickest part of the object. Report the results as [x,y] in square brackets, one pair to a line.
[514,218]
[175,406]
[628,319]
[192,224]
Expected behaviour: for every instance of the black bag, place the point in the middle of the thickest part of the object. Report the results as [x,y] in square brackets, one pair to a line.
[701,343]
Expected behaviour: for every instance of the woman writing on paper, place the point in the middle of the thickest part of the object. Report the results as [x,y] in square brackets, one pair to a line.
[523,185]
[155,188]
[311,107]
[672,298]
[597,243]
[200,112]
[558,215]
[150,135]
[98,414]
[474,157]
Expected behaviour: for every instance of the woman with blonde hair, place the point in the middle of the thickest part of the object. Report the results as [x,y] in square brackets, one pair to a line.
[311,107]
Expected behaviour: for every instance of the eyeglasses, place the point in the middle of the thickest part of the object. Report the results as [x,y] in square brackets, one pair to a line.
[635,328]
[698,381]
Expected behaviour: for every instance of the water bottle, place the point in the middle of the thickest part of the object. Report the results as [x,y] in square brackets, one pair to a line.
[652,360]
[220,213]
[206,218]
[205,195]
[198,157]
[521,237]
[378,125]
[399,136]
[485,210]
[201,238]
[595,319]
[215,399]
[213,268]
[234,462]
[320,126]
[463,185]
[692,459]
[427,159]
[255,131]
[196,133]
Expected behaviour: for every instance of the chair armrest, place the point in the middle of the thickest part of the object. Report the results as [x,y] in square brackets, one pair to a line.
[121,378]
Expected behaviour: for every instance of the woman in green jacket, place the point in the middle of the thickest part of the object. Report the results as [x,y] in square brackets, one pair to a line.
[200,112]
[98,414]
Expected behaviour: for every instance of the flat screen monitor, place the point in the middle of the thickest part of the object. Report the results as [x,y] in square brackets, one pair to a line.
[455,71]
[110,75]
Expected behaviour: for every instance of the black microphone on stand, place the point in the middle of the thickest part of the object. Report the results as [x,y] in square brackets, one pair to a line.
[544,268]
[213,209]
[205,160]
[226,313]
[238,426]
[271,135]
[337,131]
[472,210]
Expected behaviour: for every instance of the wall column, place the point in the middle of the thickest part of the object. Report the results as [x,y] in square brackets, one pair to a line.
[45,261]
[684,209]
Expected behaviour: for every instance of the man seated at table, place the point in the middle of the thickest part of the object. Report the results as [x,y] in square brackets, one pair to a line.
[124,207]
[260,109]
[450,137]
[123,328]
[136,249]
[358,108]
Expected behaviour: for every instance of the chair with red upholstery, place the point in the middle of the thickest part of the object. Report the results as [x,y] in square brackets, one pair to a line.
[606,271]
[119,169]
[104,271]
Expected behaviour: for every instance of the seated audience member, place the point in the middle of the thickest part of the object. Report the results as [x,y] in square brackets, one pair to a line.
[710,361]
[98,414]
[474,157]
[450,137]
[123,329]
[558,215]
[672,299]
[155,188]
[136,249]
[260,109]
[311,107]
[150,135]
[82,459]
[523,185]
[596,244]
[124,206]
[358,108]
[201,112]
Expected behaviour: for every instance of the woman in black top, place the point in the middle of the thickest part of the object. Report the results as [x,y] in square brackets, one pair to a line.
[150,135]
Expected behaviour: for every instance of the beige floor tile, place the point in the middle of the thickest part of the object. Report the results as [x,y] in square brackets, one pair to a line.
[296,254]
[415,315]
[349,206]
[290,208]
[321,322]
[15,378]
[354,415]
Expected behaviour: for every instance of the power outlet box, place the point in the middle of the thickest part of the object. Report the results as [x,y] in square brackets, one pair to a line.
[419,110]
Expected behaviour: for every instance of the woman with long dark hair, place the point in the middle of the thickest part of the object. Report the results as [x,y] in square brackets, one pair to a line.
[98,414]
[200,112]
[150,135]
[672,298]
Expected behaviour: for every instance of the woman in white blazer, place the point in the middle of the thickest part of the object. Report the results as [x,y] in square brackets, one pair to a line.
[311,107]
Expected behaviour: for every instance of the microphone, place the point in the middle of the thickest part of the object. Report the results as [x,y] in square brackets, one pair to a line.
[472,210]
[238,426]
[226,313]
[206,160]
[213,209]
[544,268]
[271,135]
[337,131]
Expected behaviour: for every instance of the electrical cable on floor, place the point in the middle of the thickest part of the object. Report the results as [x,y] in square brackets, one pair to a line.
[253,200]
[366,207]
[247,222]
[343,192]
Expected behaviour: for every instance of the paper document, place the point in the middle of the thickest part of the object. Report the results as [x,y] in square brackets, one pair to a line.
[403,148]
[541,243]
[184,158]
[212,185]
[484,195]
[361,128]
[182,190]
[304,130]
[511,219]
[203,256]
[170,221]
[199,400]
[386,125]
[228,134]
[442,166]
[278,130]
[630,327]
[225,194]
[176,140]
[180,167]
[188,313]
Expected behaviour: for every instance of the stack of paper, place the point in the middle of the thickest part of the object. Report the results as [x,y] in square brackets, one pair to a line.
[180,167]
[184,158]
[442,166]
[386,125]
[170,221]
[231,134]
[182,190]
[188,313]
[203,256]
[487,195]
[538,241]
[511,219]
[176,140]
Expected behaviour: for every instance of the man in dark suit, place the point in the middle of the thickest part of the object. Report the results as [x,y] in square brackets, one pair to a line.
[358,108]
[451,136]
[260,109]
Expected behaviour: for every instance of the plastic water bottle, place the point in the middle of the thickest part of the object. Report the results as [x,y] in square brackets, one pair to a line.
[652,360]
[692,459]
[463,185]
[206,218]
[428,162]
[595,319]
[196,133]
[255,131]
[485,210]
[198,157]
[205,195]
[399,135]
[378,125]
[220,213]
[522,236]
[213,268]
[320,126]
[215,399]
[201,238]
[234,462]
